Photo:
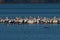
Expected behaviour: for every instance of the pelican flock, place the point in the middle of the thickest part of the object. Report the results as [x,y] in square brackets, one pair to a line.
[31,20]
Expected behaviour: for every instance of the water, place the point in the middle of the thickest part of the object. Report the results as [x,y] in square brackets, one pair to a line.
[29,31]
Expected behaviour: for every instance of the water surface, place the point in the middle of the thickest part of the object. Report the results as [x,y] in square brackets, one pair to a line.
[29,31]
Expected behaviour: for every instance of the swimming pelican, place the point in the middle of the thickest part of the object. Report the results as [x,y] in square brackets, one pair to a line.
[2,20]
[11,21]
[48,20]
[44,20]
[7,19]
[18,20]
[25,20]
[30,20]
[34,19]
[38,20]
[58,20]
[55,20]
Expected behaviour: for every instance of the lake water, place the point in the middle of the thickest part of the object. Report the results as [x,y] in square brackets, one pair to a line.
[29,31]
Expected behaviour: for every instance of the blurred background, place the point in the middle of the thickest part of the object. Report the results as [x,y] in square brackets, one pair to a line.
[29,1]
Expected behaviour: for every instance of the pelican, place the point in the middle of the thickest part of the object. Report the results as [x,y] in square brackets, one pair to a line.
[44,20]
[25,20]
[18,20]
[48,20]
[51,21]
[38,20]
[58,20]
[35,20]
[55,20]
[7,19]
[11,21]
[2,20]
[30,20]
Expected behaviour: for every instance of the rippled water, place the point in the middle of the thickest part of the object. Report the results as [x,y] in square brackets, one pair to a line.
[29,31]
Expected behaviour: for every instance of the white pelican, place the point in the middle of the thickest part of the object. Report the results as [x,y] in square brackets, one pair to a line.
[7,19]
[44,20]
[18,20]
[25,20]
[2,20]
[11,21]
[35,20]
[38,20]
[48,20]
[30,21]
[55,20]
